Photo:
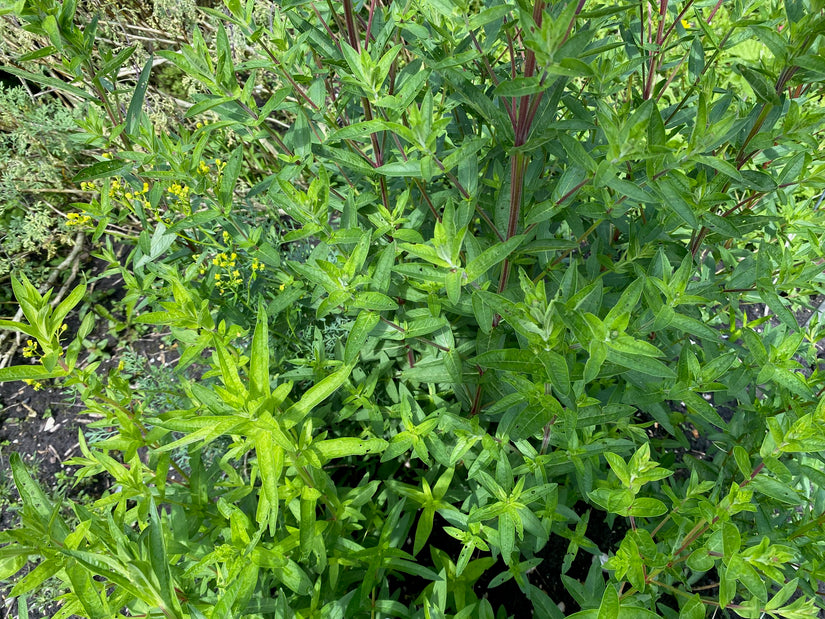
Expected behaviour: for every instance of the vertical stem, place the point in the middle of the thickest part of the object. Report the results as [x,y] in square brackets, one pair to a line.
[657,56]
[352,31]
[521,130]
[354,41]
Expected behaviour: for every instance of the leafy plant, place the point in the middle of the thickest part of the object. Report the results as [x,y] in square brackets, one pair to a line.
[534,238]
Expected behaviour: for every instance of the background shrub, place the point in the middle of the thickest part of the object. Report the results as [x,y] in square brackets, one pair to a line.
[449,282]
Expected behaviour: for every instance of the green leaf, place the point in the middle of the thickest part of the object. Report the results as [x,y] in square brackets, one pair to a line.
[358,334]
[792,381]
[506,536]
[700,561]
[84,588]
[783,595]
[206,104]
[29,372]
[762,88]
[630,346]
[772,300]
[103,169]
[293,577]
[370,300]
[349,446]
[557,371]
[67,305]
[775,490]
[259,357]
[51,82]
[109,69]
[520,86]
[731,539]
[9,566]
[229,178]
[740,455]
[743,572]
[158,558]
[694,608]
[136,104]
[317,394]
[509,359]
[270,464]
[647,508]
[490,257]
[674,199]
[639,363]
[423,529]
[609,607]
[597,354]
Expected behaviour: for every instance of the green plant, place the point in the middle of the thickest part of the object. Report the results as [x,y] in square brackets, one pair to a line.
[39,146]
[536,235]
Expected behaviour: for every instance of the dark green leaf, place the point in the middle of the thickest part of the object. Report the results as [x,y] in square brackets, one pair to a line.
[136,104]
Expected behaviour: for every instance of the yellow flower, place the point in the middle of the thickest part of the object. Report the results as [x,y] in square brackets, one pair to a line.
[76,219]
[31,348]
[33,383]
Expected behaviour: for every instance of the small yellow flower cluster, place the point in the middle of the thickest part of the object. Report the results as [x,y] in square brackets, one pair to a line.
[33,383]
[136,195]
[220,165]
[181,192]
[230,277]
[227,281]
[257,265]
[31,348]
[201,124]
[76,219]
[224,261]
[88,186]
[203,169]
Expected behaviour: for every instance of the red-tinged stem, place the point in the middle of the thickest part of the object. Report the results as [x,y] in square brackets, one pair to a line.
[476,407]
[678,19]
[352,30]
[333,37]
[521,129]
[369,24]
[579,8]
[655,58]
[713,12]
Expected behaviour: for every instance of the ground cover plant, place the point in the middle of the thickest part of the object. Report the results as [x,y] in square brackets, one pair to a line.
[450,282]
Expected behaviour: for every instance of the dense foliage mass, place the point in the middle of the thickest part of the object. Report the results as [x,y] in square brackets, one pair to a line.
[449,281]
